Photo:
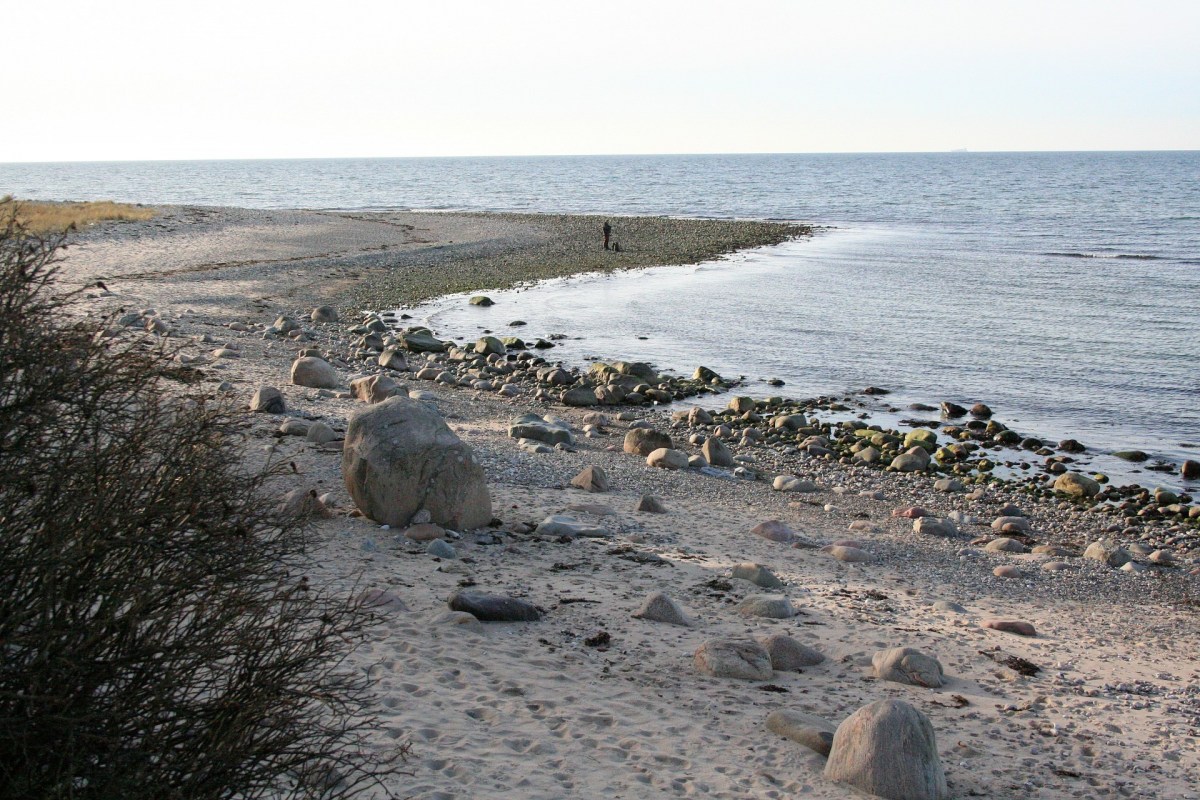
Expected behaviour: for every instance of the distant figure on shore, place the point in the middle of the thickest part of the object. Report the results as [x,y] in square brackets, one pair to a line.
[607,233]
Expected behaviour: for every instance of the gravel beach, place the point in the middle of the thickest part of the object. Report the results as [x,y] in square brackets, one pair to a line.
[597,698]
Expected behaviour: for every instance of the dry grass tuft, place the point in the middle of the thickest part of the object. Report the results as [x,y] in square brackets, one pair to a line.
[49,218]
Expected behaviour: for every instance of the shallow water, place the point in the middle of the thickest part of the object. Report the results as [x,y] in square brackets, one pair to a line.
[1060,288]
[1052,357]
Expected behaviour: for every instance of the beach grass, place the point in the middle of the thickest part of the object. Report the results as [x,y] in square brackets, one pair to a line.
[58,217]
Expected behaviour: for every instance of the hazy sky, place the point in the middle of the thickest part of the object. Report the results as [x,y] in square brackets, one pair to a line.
[249,79]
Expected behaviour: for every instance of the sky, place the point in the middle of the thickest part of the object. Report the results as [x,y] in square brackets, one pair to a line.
[131,80]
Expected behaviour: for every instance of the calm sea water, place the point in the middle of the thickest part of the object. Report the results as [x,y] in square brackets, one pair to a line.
[1061,288]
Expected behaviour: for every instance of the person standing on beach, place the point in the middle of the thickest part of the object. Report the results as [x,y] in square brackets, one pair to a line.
[607,233]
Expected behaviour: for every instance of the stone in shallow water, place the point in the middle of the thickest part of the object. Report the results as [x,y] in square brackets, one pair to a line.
[1076,485]
[494,607]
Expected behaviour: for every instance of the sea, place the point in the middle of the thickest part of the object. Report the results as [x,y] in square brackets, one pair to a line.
[1062,289]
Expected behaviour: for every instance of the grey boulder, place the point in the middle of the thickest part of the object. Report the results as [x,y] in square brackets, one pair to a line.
[267,400]
[400,458]
[809,730]
[315,373]
[771,606]
[658,607]
[744,659]
[757,574]
[908,665]
[888,749]
[789,655]
[494,607]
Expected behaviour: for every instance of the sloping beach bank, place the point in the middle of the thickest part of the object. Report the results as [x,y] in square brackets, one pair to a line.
[533,709]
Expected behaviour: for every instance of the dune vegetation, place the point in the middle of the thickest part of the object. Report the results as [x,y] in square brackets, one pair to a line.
[57,217]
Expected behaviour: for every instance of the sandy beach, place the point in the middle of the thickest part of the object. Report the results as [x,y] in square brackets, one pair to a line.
[591,701]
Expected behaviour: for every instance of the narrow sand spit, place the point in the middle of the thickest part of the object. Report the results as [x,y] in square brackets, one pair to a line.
[532,709]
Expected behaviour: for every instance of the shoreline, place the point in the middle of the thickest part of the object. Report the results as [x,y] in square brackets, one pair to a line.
[532,709]
[388,260]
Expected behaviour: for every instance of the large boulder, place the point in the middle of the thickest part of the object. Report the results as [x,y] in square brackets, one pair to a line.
[315,373]
[888,749]
[400,458]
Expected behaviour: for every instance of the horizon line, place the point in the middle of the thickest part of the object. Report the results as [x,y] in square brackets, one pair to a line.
[958,151]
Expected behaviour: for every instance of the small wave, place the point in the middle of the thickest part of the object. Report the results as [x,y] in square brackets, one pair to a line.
[1130,256]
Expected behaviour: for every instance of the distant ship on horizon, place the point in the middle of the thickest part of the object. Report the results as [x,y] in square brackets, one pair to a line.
[960,150]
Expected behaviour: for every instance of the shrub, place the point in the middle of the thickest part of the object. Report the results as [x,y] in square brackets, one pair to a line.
[157,632]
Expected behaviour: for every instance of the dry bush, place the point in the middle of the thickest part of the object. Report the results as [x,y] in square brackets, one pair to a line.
[50,218]
[158,636]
